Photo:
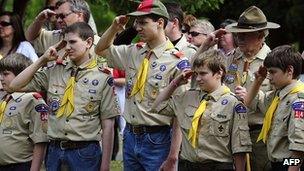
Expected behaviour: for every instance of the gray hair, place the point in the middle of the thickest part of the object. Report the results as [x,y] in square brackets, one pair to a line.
[205,25]
[77,6]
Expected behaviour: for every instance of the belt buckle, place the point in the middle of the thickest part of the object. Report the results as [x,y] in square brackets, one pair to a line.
[61,144]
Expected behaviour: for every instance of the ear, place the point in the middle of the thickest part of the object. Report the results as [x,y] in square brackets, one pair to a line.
[290,70]
[80,16]
[219,74]
[161,22]
[175,22]
[89,42]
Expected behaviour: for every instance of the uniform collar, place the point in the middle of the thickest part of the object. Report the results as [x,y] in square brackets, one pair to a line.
[182,43]
[17,95]
[260,55]
[287,89]
[217,94]
[70,64]
[159,50]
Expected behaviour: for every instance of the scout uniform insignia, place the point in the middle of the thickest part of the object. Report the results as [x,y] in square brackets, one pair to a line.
[298,108]
[89,107]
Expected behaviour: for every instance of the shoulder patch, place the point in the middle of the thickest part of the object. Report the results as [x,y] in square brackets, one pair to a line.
[178,54]
[37,96]
[183,64]
[298,107]
[240,108]
[301,95]
[140,44]
[110,81]
[41,108]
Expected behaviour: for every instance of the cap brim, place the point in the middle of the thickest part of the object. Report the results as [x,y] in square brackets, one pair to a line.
[233,28]
[138,13]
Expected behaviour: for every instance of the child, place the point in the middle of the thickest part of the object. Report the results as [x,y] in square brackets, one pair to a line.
[23,119]
[81,101]
[212,120]
[284,120]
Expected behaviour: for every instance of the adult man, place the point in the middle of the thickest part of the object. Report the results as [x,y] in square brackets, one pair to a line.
[174,30]
[67,12]
[251,30]
[81,101]
[149,69]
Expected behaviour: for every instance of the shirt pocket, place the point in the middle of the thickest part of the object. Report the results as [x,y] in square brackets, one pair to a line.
[186,119]
[280,125]
[54,96]
[244,135]
[88,104]
[219,126]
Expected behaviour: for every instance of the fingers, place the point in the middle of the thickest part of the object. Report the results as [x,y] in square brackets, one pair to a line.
[61,45]
[219,33]
[121,21]
[46,14]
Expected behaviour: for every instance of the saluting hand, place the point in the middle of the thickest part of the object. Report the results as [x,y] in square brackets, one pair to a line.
[120,22]
[50,55]
[183,78]
[261,74]
[45,15]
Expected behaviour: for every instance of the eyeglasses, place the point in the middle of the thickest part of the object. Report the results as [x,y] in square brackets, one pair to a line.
[194,33]
[5,23]
[62,16]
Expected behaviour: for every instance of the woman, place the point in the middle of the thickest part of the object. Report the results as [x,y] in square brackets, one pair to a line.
[12,39]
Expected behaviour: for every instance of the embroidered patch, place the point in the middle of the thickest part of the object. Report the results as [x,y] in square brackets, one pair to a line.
[85,80]
[184,64]
[159,77]
[95,82]
[43,116]
[41,108]
[92,91]
[162,68]
[224,102]
[110,81]
[298,107]
[154,64]
[221,116]
[233,67]
[90,107]
[229,79]
[12,108]
[54,105]
[18,100]
[240,108]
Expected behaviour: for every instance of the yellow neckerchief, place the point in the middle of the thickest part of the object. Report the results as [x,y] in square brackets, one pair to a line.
[3,105]
[142,73]
[67,103]
[270,111]
[245,69]
[194,130]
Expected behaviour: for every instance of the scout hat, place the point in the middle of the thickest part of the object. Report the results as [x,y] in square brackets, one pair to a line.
[251,20]
[150,7]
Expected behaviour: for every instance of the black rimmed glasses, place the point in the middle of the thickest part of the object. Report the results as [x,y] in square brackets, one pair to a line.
[5,23]
[194,33]
[63,16]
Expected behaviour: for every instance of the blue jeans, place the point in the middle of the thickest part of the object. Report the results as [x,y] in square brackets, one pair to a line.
[145,151]
[87,158]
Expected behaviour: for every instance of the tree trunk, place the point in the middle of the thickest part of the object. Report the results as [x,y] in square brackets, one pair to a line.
[19,7]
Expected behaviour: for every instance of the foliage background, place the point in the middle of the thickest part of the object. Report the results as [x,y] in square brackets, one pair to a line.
[288,13]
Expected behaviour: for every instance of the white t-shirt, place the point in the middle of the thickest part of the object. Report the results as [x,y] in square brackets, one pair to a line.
[27,50]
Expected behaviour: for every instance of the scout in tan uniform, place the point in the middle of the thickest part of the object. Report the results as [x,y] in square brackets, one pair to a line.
[251,29]
[23,121]
[81,102]
[213,121]
[67,13]
[149,69]
[284,107]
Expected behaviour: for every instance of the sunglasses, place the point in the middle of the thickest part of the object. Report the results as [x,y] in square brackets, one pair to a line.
[194,33]
[62,16]
[5,23]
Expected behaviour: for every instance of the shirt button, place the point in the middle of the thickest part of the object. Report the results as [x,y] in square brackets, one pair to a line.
[65,133]
[133,116]
[55,91]
[134,102]
[67,120]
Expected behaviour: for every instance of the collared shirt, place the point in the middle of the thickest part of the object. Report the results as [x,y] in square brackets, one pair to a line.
[24,124]
[223,129]
[187,48]
[286,132]
[235,66]
[164,66]
[94,100]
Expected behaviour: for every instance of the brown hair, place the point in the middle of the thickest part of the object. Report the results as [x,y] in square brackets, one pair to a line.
[15,63]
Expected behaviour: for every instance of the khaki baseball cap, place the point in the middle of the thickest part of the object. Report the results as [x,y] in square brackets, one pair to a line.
[251,20]
[150,7]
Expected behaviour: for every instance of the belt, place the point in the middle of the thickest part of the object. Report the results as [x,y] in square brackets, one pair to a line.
[207,166]
[71,144]
[140,129]
[255,127]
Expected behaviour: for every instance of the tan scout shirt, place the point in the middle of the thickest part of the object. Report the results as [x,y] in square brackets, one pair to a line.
[164,66]
[93,99]
[47,39]
[224,129]
[24,124]
[287,128]
[236,64]
[187,48]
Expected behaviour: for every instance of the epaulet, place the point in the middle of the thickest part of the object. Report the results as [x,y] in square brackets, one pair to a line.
[238,98]
[178,54]
[104,70]
[301,95]
[140,44]
[37,96]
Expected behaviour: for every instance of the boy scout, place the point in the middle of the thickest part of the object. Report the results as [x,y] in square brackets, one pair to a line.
[213,121]
[149,69]
[81,101]
[23,120]
[284,118]
[251,30]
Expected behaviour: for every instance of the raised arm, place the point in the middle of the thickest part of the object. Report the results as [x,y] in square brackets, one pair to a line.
[107,38]
[168,91]
[34,29]
[22,79]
